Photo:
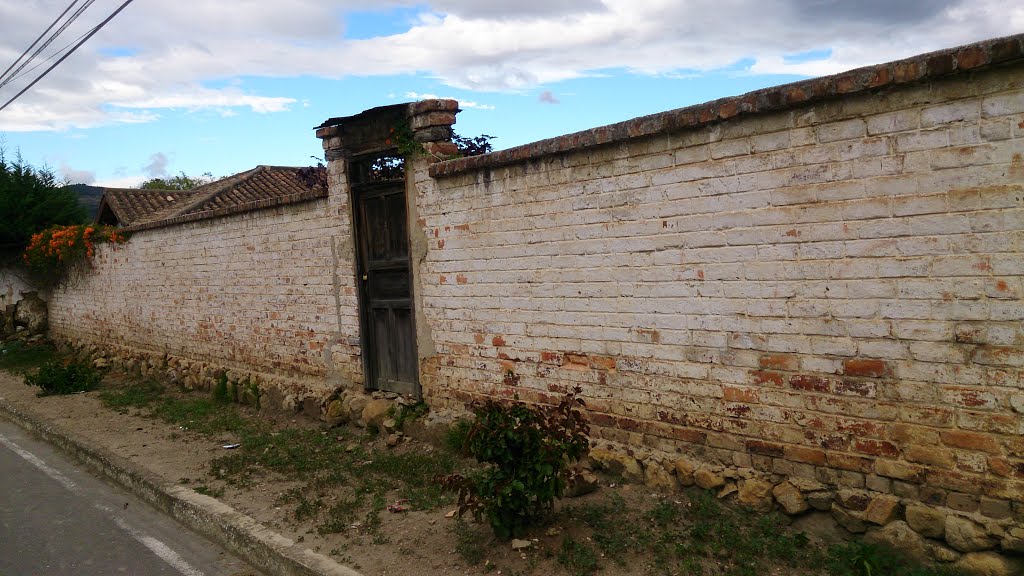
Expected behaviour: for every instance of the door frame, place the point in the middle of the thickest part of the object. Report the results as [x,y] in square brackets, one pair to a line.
[368,349]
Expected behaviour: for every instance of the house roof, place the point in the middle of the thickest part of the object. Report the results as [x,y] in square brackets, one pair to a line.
[260,187]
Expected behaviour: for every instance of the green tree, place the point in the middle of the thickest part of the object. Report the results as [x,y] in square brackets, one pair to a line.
[31,200]
[179,182]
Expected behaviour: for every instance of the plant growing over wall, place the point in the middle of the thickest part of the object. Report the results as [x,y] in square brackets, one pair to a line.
[527,450]
[53,251]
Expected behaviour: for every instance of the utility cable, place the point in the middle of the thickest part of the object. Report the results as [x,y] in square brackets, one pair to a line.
[48,58]
[69,53]
[50,40]
[45,32]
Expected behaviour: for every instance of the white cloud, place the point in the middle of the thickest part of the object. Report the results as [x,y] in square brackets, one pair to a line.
[169,54]
[462,103]
[157,167]
[122,182]
[74,176]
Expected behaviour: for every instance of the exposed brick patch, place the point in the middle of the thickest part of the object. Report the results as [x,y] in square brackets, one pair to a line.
[866,367]
[970,441]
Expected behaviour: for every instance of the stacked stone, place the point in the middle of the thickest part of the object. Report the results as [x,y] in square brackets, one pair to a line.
[985,540]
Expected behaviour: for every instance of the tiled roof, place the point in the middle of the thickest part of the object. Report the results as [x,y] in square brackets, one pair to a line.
[129,205]
[257,188]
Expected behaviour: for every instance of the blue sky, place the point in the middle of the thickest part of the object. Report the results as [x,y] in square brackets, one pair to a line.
[218,87]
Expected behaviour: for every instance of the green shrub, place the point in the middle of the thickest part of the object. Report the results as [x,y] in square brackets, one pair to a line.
[527,449]
[65,377]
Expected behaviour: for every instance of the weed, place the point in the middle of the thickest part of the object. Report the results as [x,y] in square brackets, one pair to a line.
[140,395]
[21,356]
[471,544]
[64,377]
[455,438]
[408,413]
[862,559]
[579,558]
[211,492]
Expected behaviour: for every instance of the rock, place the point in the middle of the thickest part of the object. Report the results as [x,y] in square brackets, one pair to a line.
[755,494]
[375,412]
[101,363]
[989,564]
[580,482]
[820,500]
[518,544]
[966,535]
[943,554]
[708,479]
[822,526]
[30,312]
[394,440]
[356,404]
[656,477]
[1013,541]
[806,484]
[684,471]
[617,463]
[336,415]
[729,489]
[902,538]
[926,521]
[856,500]
[851,520]
[389,425]
[790,498]
[882,510]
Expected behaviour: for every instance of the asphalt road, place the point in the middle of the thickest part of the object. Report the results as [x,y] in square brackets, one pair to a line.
[56,519]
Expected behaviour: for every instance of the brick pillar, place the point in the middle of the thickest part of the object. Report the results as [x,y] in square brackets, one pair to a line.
[431,123]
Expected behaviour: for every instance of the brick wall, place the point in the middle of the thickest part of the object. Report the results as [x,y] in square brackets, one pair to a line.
[816,280]
[267,293]
[830,289]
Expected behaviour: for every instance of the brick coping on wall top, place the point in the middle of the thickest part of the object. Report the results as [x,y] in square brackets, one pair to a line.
[971,57]
[314,194]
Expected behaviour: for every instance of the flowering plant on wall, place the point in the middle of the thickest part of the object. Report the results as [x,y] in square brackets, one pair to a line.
[53,251]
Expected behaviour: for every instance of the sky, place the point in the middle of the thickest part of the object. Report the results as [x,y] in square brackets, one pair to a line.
[219,87]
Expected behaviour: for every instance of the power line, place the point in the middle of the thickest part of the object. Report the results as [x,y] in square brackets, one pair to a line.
[69,53]
[48,58]
[52,37]
[45,32]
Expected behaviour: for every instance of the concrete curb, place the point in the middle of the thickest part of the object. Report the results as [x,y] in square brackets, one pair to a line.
[263,548]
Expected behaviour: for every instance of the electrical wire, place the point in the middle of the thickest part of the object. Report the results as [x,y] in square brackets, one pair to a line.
[50,40]
[50,57]
[45,32]
[69,53]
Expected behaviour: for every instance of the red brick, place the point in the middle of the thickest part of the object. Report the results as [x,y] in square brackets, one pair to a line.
[876,448]
[849,462]
[970,441]
[807,455]
[602,362]
[765,448]
[866,367]
[733,394]
[930,455]
[971,57]
[862,388]
[765,377]
[497,341]
[779,362]
[809,383]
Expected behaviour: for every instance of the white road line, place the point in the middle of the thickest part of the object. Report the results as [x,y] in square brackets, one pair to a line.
[157,547]
[163,551]
[35,461]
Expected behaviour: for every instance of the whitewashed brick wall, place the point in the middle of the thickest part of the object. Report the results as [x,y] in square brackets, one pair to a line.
[832,290]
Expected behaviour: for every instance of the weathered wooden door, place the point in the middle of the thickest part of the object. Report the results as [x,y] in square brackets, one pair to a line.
[389,335]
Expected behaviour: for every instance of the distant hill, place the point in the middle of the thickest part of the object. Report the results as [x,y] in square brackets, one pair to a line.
[89,197]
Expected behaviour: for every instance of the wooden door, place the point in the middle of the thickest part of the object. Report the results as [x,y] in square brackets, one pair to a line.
[389,335]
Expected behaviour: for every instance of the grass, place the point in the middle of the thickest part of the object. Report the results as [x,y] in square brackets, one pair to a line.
[341,487]
[20,357]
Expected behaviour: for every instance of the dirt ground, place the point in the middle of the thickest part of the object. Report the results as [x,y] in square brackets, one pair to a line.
[417,541]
